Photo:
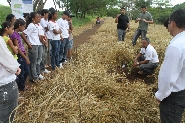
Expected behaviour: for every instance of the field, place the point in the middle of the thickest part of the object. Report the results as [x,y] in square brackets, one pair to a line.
[93,88]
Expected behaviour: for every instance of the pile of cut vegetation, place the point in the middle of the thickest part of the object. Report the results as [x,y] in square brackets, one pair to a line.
[87,90]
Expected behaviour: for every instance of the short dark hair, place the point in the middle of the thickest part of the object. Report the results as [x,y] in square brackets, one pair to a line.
[146,39]
[10,17]
[165,23]
[66,13]
[44,11]
[6,24]
[19,22]
[143,6]
[178,17]
[122,8]
[25,15]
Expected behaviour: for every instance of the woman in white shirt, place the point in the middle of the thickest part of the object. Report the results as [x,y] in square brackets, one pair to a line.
[35,51]
[55,32]
[9,68]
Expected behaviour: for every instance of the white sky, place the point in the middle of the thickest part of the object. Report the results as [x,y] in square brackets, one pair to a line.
[50,4]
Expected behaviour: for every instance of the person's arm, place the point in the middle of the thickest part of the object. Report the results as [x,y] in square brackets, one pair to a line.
[150,22]
[138,56]
[20,51]
[169,72]
[116,20]
[23,36]
[14,48]
[138,19]
[7,59]
[57,31]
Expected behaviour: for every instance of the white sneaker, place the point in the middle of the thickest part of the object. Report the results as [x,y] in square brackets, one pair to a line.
[65,62]
[61,66]
[41,77]
[46,71]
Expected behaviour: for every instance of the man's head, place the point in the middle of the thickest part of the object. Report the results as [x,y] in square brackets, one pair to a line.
[176,23]
[122,10]
[145,42]
[65,15]
[143,8]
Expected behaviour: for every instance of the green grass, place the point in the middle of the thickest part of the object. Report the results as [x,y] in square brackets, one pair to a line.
[4,11]
[79,22]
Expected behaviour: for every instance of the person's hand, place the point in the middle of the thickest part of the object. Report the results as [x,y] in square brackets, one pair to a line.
[139,19]
[16,48]
[61,39]
[118,15]
[18,71]
[158,100]
[27,61]
[134,65]
[29,46]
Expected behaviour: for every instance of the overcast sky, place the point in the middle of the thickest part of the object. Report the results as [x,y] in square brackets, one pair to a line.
[49,3]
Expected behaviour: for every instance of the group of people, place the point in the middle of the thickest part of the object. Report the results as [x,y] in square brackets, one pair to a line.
[43,33]
[171,78]
[27,46]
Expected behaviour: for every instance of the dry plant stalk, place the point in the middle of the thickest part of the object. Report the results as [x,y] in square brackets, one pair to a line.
[85,92]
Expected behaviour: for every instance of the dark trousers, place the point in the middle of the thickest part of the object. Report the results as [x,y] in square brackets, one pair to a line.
[172,107]
[24,73]
[8,101]
[147,68]
[137,34]
[55,45]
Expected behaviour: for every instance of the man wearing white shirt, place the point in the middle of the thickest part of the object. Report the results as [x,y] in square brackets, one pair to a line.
[9,68]
[171,79]
[147,59]
[64,26]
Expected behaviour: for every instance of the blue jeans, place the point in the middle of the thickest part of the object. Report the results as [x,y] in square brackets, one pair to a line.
[64,49]
[172,107]
[24,72]
[55,46]
[137,34]
[35,57]
[121,34]
[8,101]
[42,64]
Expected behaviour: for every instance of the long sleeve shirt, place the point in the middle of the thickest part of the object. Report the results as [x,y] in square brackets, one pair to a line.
[8,64]
[172,73]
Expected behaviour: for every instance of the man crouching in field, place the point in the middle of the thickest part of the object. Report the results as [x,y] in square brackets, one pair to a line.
[171,79]
[147,59]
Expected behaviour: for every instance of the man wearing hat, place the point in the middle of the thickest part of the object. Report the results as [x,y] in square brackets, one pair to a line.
[64,26]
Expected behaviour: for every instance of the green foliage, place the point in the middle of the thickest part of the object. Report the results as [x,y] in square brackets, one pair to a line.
[112,12]
[4,11]
[179,6]
[79,21]
[160,14]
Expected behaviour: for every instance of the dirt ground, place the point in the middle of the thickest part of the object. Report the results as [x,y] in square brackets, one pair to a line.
[78,40]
